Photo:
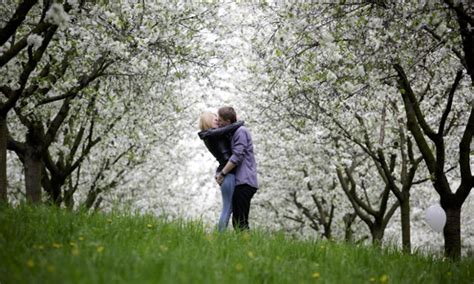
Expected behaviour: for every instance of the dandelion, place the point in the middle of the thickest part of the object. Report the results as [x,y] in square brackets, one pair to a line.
[250,254]
[246,236]
[109,220]
[384,278]
[38,247]
[372,279]
[316,275]
[30,263]
[56,245]
[81,238]
[149,226]
[72,244]
[239,267]
[75,251]
[100,249]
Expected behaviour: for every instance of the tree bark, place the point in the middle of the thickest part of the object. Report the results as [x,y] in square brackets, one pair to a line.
[405,220]
[56,185]
[377,231]
[33,167]
[3,158]
[451,232]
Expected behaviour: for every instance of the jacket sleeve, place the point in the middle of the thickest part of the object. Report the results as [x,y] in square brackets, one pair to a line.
[239,142]
[216,132]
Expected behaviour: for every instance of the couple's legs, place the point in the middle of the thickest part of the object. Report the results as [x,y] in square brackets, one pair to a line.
[227,190]
[241,206]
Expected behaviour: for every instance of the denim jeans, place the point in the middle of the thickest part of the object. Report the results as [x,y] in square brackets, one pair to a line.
[227,190]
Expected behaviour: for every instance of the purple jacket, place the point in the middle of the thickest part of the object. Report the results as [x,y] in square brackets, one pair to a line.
[243,158]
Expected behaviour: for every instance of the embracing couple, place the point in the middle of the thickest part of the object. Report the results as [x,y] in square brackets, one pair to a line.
[230,142]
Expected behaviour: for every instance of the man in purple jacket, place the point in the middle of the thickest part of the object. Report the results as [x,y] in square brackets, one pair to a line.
[243,163]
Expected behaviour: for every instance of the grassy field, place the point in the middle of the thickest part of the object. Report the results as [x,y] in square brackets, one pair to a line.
[48,245]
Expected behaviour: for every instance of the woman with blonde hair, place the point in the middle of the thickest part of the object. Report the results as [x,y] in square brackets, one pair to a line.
[217,141]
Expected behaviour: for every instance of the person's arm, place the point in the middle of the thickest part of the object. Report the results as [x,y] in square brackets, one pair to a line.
[215,132]
[227,168]
[239,140]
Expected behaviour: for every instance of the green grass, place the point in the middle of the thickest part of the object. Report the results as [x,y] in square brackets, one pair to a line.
[48,245]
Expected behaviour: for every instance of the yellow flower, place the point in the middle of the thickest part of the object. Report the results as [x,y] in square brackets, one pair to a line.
[50,268]
[75,251]
[372,279]
[38,247]
[384,278]
[246,236]
[149,226]
[239,267]
[250,254]
[73,244]
[109,220]
[30,263]
[316,275]
[56,245]
[81,238]
[100,249]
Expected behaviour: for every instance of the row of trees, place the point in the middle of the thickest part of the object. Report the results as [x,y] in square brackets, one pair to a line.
[385,91]
[353,106]
[85,83]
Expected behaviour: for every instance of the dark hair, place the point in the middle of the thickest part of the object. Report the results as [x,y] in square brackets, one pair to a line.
[227,114]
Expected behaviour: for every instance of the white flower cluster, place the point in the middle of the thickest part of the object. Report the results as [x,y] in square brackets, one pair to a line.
[56,15]
[74,4]
[35,41]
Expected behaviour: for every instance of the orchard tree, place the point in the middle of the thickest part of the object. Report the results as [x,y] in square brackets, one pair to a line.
[33,43]
[341,58]
[121,72]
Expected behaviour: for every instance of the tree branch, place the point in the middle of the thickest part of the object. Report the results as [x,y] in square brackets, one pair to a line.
[449,103]
[407,92]
[18,17]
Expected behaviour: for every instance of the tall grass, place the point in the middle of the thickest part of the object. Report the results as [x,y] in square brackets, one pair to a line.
[50,245]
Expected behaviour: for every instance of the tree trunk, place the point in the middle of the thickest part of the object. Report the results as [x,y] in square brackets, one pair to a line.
[55,193]
[452,232]
[68,199]
[3,158]
[33,167]
[406,230]
[91,197]
[348,232]
[377,235]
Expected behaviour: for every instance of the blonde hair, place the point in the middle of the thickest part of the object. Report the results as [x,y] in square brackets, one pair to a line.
[205,120]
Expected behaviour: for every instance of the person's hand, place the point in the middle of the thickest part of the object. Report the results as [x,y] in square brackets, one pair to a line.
[219,178]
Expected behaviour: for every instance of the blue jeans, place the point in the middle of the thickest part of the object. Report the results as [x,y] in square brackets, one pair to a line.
[227,190]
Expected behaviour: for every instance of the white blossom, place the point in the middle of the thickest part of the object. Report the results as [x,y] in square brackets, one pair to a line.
[74,4]
[56,15]
[35,41]
[331,76]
